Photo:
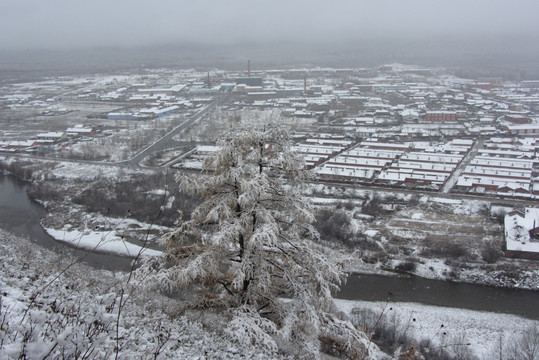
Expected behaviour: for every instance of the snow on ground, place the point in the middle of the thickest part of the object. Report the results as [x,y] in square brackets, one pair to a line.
[470,207]
[125,223]
[75,171]
[371,233]
[481,329]
[191,164]
[47,303]
[324,201]
[417,216]
[101,241]
[445,200]
[432,269]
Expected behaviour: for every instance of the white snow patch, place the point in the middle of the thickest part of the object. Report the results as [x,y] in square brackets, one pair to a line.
[101,241]
[324,201]
[445,201]
[159,192]
[418,216]
[479,328]
[371,233]
[432,269]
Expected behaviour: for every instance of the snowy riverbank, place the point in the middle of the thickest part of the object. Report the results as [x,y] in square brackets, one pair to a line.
[101,241]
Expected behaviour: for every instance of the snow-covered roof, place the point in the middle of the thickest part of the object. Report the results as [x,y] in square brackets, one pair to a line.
[355,162]
[433,167]
[505,153]
[157,111]
[51,135]
[517,230]
[207,149]
[502,162]
[375,144]
[17,143]
[346,172]
[79,130]
[432,157]
[372,153]
[497,172]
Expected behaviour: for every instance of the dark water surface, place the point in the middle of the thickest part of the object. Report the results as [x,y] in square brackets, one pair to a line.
[441,293]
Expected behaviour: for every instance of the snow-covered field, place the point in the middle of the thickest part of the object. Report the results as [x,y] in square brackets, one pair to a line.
[449,327]
[438,237]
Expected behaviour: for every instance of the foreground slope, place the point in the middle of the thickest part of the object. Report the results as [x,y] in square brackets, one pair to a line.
[51,307]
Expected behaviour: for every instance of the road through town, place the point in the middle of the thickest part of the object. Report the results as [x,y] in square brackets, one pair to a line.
[167,141]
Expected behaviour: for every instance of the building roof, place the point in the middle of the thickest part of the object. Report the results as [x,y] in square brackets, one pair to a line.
[51,135]
[517,230]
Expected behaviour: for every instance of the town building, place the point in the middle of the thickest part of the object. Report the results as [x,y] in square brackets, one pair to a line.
[51,137]
[521,232]
[441,116]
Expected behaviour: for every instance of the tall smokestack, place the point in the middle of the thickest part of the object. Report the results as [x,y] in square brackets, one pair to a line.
[305,84]
[248,68]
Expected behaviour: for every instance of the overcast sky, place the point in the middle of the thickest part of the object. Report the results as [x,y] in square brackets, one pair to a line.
[35,24]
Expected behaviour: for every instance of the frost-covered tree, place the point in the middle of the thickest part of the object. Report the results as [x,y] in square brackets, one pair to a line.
[248,249]
[525,347]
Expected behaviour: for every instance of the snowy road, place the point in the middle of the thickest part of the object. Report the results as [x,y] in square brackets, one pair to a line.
[167,140]
[452,180]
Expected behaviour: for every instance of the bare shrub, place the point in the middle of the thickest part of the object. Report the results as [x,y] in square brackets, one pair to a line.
[499,216]
[446,250]
[334,226]
[363,242]
[347,205]
[451,351]
[385,328]
[413,200]
[526,346]
[490,252]
[134,198]
[59,329]
[372,206]
[45,191]
[406,266]
[20,169]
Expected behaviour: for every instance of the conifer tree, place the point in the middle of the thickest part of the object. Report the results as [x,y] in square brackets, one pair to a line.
[248,248]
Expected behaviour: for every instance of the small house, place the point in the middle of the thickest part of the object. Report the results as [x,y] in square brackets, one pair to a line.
[521,234]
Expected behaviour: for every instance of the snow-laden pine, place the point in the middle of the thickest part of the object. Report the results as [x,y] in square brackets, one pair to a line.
[248,250]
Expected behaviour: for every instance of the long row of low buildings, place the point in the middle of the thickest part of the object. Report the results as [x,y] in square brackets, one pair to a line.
[394,163]
[45,139]
[502,166]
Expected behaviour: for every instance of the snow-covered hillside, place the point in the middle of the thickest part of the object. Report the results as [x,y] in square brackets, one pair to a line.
[51,307]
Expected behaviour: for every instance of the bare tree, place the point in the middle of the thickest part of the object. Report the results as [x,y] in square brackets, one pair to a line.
[525,347]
